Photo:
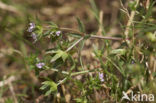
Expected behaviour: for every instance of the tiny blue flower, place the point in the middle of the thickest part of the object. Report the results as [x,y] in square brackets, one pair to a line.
[101,77]
[31,27]
[58,33]
[40,65]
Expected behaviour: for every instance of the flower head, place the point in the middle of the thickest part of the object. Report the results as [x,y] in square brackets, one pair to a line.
[40,65]
[101,77]
[58,33]
[133,62]
[31,27]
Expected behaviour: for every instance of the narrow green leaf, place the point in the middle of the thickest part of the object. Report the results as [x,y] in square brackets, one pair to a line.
[81,25]
[59,54]
[94,9]
[64,56]
[48,93]
[118,51]
[51,85]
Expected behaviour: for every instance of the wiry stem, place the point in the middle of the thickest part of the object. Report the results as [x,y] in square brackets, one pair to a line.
[92,36]
[107,38]
[74,44]
[72,30]
[130,21]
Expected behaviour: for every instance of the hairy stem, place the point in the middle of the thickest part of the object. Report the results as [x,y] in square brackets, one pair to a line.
[130,21]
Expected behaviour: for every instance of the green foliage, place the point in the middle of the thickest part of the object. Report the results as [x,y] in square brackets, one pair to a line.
[49,84]
[124,66]
[93,84]
[94,9]
[9,100]
[58,54]
[81,25]
[132,4]
[32,60]
[151,36]
[81,100]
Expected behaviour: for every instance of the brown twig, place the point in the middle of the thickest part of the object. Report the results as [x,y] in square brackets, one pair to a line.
[105,37]
[92,36]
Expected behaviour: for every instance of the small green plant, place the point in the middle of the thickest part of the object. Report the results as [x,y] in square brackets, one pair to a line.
[125,68]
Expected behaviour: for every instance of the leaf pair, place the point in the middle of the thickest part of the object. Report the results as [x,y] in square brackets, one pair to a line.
[58,54]
[51,85]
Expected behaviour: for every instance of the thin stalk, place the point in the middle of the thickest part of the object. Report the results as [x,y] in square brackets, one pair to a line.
[81,72]
[129,23]
[74,44]
[56,70]
[72,74]
[107,38]
[92,36]
[62,81]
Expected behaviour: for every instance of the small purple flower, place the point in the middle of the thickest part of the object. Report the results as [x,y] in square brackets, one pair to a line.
[58,33]
[34,36]
[133,62]
[40,65]
[31,27]
[101,77]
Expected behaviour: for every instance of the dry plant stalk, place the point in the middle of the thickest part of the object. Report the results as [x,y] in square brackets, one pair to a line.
[101,23]
[7,81]
[129,23]
[8,8]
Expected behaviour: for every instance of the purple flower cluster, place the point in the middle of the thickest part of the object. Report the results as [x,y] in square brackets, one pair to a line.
[101,77]
[58,33]
[31,27]
[40,65]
